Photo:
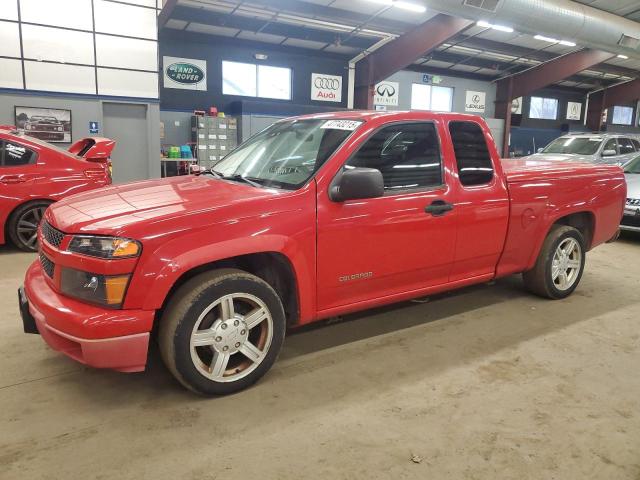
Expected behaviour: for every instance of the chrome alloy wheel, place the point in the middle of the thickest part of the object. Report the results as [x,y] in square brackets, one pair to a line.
[231,337]
[566,264]
[27,229]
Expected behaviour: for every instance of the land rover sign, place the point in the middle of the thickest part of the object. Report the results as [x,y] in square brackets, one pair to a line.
[185,73]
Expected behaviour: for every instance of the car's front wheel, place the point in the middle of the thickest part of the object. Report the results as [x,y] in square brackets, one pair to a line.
[221,331]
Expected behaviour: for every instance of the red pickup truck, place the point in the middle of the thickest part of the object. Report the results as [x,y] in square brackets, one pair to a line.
[315,217]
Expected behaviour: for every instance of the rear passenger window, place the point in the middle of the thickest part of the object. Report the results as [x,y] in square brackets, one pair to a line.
[472,154]
[13,154]
[407,154]
[636,144]
[625,146]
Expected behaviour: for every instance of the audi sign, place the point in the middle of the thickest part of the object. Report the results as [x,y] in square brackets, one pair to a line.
[326,88]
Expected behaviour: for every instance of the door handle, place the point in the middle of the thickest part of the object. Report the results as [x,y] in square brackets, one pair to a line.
[439,208]
[11,179]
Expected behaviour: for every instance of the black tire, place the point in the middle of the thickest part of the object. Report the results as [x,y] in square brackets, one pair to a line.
[540,279]
[182,314]
[23,217]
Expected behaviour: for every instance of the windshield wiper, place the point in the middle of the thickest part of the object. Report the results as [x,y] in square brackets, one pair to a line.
[237,177]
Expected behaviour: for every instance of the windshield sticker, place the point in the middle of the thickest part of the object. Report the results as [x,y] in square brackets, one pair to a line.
[349,125]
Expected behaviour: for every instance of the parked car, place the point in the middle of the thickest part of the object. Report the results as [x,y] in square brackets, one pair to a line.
[631,218]
[315,217]
[606,148]
[33,174]
[45,128]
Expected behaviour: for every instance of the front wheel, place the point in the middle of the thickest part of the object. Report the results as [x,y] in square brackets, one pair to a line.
[222,331]
[560,264]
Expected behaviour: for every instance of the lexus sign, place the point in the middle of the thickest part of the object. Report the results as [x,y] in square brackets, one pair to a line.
[326,88]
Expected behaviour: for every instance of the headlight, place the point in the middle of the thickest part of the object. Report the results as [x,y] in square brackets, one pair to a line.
[105,290]
[104,247]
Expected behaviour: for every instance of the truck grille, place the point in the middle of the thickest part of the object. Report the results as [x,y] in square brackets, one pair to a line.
[53,236]
[635,202]
[47,265]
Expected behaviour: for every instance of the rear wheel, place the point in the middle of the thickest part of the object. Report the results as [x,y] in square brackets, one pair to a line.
[23,225]
[559,267]
[222,331]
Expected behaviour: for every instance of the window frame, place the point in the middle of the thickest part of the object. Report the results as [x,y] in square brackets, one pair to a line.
[32,161]
[494,177]
[395,193]
[257,81]
[613,115]
[543,99]
[431,87]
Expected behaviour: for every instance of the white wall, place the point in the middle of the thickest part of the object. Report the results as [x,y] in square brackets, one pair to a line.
[95,47]
[460,85]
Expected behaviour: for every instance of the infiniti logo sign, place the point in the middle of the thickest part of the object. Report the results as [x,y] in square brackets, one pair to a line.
[385,90]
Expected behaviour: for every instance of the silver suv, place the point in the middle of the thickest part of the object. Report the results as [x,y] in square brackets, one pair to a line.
[608,148]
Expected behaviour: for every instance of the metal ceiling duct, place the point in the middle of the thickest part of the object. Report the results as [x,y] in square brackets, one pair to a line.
[560,19]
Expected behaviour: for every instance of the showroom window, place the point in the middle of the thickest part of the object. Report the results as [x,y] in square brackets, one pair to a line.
[428,97]
[407,154]
[543,108]
[249,80]
[13,155]
[622,115]
[472,155]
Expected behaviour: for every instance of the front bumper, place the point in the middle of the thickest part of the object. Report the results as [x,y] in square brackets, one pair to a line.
[98,337]
[631,220]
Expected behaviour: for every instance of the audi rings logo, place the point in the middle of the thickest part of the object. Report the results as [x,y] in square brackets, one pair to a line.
[385,90]
[326,83]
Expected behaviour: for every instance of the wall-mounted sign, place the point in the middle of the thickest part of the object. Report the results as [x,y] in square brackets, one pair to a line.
[185,73]
[93,128]
[387,93]
[516,106]
[574,110]
[49,124]
[326,88]
[475,101]
[435,79]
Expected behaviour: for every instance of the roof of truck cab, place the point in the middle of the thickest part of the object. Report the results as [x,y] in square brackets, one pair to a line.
[369,115]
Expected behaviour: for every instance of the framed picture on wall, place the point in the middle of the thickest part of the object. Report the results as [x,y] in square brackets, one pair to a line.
[48,124]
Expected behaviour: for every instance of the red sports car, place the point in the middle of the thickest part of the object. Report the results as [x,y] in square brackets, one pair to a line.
[33,174]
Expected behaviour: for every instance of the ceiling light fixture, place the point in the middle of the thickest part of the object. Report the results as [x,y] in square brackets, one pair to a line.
[566,43]
[412,7]
[624,57]
[501,28]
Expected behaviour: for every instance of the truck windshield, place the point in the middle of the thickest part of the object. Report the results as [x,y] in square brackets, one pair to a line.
[574,145]
[286,154]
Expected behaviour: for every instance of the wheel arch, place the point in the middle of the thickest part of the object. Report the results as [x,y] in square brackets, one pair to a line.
[275,268]
[4,233]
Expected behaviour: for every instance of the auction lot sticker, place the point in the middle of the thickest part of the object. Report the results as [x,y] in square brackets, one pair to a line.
[349,125]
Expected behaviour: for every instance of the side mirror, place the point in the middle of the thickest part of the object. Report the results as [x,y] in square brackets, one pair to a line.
[540,150]
[609,153]
[357,183]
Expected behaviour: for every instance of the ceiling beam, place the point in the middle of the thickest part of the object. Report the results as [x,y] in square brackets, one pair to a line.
[402,52]
[166,12]
[208,17]
[554,71]
[620,94]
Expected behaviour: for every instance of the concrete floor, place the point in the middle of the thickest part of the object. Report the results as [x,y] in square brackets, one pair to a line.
[485,383]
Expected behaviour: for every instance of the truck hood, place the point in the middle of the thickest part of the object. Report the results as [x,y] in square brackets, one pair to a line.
[633,185]
[562,157]
[536,168]
[115,209]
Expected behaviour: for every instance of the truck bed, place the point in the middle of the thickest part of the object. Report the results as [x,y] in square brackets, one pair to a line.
[544,192]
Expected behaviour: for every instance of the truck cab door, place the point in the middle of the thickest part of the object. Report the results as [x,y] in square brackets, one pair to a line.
[400,242]
[482,201]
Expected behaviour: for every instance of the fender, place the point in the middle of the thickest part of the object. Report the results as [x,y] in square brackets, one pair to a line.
[158,271]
